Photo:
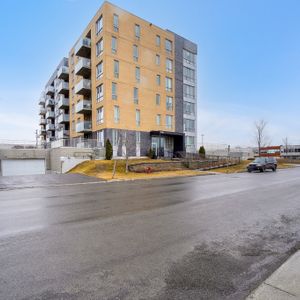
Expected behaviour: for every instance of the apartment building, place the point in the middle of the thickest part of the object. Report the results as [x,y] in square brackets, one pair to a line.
[133,83]
[54,105]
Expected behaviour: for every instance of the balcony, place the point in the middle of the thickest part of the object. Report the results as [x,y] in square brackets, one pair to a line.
[63,134]
[63,73]
[49,102]
[83,47]
[85,126]
[42,111]
[42,132]
[42,121]
[49,90]
[63,87]
[50,114]
[83,106]
[63,102]
[83,87]
[63,118]
[50,127]
[42,101]
[83,67]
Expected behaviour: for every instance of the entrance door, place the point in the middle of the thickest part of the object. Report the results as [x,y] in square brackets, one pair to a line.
[154,146]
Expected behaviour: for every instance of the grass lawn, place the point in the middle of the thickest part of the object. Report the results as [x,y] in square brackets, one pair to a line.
[104,169]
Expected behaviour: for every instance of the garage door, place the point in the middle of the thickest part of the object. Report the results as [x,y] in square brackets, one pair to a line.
[12,167]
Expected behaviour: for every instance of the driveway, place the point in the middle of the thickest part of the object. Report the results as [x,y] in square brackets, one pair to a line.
[209,237]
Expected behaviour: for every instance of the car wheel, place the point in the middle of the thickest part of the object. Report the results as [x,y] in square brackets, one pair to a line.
[274,169]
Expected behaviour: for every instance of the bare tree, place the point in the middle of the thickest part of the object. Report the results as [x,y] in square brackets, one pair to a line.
[285,144]
[261,137]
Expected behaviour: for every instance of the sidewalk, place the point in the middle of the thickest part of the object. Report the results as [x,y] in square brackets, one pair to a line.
[283,284]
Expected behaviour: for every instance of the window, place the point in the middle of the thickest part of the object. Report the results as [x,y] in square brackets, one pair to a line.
[116,22]
[99,47]
[158,120]
[189,141]
[169,121]
[115,137]
[138,117]
[188,91]
[168,84]
[99,92]
[189,57]
[157,40]
[114,93]
[72,76]
[113,44]
[72,59]
[100,138]
[135,53]
[137,74]
[116,68]
[158,79]
[169,103]
[73,125]
[73,91]
[100,115]
[157,59]
[73,109]
[189,74]
[99,25]
[188,108]
[137,31]
[136,95]
[157,99]
[168,46]
[169,65]
[116,114]
[99,70]
[189,125]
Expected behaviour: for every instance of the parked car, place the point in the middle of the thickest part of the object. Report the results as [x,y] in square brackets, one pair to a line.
[262,163]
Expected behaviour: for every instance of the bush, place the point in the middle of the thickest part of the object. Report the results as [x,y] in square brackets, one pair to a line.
[202,152]
[151,153]
[108,150]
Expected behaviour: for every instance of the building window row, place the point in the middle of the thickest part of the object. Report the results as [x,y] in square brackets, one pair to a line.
[189,74]
[189,125]
[189,91]
[188,108]
[189,57]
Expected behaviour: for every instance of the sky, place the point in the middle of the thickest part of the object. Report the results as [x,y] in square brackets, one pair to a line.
[248,60]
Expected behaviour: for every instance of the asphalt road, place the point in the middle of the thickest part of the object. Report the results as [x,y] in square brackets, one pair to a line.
[209,237]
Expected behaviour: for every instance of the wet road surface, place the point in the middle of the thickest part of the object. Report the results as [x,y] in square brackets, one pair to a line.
[209,237]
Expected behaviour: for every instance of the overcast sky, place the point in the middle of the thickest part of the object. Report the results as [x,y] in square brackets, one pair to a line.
[248,60]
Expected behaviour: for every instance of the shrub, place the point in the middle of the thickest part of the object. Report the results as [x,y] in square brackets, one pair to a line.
[202,151]
[151,153]
[108,150]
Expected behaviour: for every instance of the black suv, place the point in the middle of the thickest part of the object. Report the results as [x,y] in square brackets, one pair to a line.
[262,163]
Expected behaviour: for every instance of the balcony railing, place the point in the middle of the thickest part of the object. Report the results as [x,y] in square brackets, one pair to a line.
[63,134]
[49,90]
[42,131]
[83,87]
[63,72]
[63,118]
[50,127]
[49,102]
[63,102]
[83,106]
[63,87]
[42,111]
[83,67]
[85,126]
[83,47]
[42,121]
[50,114]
